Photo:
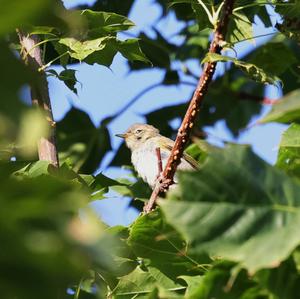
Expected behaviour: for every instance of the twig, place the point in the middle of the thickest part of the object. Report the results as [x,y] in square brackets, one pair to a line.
[194,107]
[32,56]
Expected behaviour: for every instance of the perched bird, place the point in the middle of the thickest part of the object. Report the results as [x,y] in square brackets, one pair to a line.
[143,140]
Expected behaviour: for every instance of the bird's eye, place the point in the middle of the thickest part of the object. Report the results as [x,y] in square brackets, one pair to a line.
[138,131]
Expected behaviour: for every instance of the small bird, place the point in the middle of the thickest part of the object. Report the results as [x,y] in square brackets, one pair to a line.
[143,140]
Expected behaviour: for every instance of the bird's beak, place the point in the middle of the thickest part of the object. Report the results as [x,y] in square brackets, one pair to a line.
[121,135]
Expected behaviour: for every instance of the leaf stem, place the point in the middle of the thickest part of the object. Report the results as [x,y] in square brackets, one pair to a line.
[209,15]
[254,37]
[43,67]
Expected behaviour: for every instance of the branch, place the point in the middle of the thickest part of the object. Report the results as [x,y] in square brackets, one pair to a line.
[32,56]
[194,107]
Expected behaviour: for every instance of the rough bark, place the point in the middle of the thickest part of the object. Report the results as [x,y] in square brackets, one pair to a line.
[32,56]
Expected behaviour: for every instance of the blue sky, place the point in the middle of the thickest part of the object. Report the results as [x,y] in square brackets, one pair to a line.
[105,90]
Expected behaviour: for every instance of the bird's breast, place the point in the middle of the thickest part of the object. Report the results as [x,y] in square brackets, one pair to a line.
[145,163]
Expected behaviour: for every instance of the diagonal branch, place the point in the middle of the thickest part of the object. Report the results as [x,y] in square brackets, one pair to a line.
[32,56]
[194,107]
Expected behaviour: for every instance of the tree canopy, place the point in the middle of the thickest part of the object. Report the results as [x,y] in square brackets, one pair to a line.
[229,230]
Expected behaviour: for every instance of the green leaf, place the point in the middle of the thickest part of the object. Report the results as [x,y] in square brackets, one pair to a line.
[35,169]
[157,50]
[143,280]
[290,28]
[138,190]
[82,49]
[119,6]
[69,78]
[240,28]
[289,12]
[99,43]
[131,50]
[195,44]
[102,50]
[101,23]
[286,110]
[289,151]
[238,208]
[202,11]
[254,72]
[222,281]
[267,58]
[171,77]
[41,30]
[287,280]
[203,18]
[162,247]
[100,184]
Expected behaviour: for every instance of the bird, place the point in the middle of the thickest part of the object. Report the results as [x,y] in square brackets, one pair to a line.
[143,140]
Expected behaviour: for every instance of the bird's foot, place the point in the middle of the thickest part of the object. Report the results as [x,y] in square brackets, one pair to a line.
[164,183]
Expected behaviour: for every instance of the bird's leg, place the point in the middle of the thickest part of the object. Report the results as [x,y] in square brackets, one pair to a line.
[164,183]
[161,186]
[159,162]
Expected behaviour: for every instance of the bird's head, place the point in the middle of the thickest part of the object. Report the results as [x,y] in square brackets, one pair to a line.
[137,134]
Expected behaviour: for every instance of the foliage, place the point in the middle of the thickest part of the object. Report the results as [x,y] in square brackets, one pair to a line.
[229,230]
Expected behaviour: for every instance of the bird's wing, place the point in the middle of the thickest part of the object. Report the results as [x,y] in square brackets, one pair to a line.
[169,143]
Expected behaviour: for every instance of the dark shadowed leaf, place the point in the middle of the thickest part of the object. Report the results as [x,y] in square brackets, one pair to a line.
[266,57]
[80,142]
[287,280]
[131,50]
[222,281]
[240,28]
[68,77]
[157,50]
